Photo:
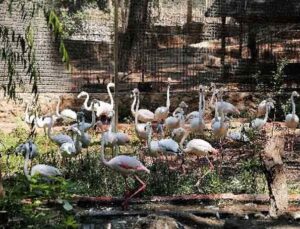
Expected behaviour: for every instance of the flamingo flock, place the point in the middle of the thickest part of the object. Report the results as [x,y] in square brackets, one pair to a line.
[176,130]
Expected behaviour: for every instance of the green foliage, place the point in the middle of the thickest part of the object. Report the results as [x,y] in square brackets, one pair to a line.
[57,28]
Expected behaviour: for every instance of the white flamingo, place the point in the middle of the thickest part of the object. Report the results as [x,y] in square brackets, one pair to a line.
[292,120]
[174,122]
[140,128]
[197,123]
[112,139]
[29,118]
[259,123]
[238,135]
[219,126]
[161,113]
[46,171]
[105,108]
[144,115]
[166,146]
[68,147]
[102,108]
[66,114]
[198,147]
[261,109]
[45,121]
[227,107]
[125,165]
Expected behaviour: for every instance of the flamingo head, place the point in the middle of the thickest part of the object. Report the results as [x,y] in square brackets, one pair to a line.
[183,105]
[110,84]
[215,151]
[135,91]
[295,94]
[83,93]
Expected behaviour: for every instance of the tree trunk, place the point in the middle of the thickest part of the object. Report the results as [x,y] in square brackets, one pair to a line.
[252,36]
[189,15]
[276,177]
[134,35]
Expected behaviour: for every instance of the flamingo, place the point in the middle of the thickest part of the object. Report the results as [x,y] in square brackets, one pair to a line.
[68,147]
[144,115]
[46,171]
[66,114]
[29,118]
[44,122]
[227,107]
[140,128]
[219,126]
[105,108]
[292,120]
[174,122]
[197,124]
[27,147]
[112,139]
[161,113]
[259,123]
[166,146]
[238,135]
[199,147]
[181,108]
[125,165]
[261,109]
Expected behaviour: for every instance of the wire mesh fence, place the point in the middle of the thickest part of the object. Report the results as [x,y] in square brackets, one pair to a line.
[192,42]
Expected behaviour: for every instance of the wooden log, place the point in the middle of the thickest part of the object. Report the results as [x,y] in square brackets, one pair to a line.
[275,175]
[183,199]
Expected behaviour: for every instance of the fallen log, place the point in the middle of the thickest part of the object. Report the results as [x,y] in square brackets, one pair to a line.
[275,175]
[183,199]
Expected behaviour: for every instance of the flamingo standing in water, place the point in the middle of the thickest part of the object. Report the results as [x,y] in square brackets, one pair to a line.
[125,165]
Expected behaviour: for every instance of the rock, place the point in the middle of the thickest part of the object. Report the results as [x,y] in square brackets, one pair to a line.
[155,221]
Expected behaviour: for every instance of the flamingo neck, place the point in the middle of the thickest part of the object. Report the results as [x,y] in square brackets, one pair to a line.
[93,115]
[293,106]
[212,97]
[267,114]
[85,104]
[186,134]
[50,127]
[168,97]
[133,104]
[57,107]
[110,96]
[216,110]
[136,120]
[26,172]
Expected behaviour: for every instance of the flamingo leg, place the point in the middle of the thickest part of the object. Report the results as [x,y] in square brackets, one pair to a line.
[211,166]
[140,189]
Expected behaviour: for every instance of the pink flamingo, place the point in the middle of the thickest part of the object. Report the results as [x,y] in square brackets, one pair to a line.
[125,165]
